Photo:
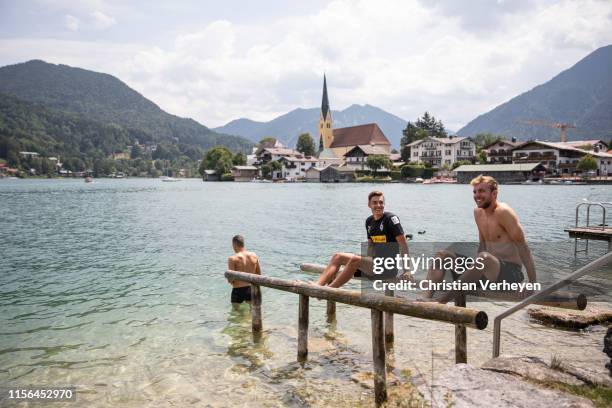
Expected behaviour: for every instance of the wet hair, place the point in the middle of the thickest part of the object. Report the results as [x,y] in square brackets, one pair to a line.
[238,240]
[485,179]
[374,193]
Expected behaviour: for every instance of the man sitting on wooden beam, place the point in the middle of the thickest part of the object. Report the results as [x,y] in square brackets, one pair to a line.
[383,228]
[502,245]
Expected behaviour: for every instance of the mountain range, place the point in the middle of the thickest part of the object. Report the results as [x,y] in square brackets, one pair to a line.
[580,96]
[57,109]
[289,126]
[43,101]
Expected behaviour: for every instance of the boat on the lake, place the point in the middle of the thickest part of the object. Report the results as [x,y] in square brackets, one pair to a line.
[167,179]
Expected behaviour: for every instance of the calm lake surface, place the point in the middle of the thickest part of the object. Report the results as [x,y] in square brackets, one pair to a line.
[117,287]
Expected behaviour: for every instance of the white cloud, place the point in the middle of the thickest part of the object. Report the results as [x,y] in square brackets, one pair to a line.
[71,22]
[101,21]
[402,56]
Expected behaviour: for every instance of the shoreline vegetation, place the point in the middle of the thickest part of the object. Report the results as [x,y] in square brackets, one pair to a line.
[364,179]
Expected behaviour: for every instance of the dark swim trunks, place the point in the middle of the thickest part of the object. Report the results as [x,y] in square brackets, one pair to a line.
[510,272]
[242,294]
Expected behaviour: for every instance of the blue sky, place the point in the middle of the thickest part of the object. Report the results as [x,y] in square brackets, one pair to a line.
[218,61]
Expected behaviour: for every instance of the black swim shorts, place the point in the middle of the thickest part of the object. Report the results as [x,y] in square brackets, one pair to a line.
[510,272]
[242,294]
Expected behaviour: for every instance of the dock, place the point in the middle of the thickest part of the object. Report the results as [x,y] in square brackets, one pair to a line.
[587,231]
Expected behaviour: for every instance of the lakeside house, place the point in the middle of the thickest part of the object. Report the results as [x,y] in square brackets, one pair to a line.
[562,157]
[29,154]
[357,157]
[335,174]
[327,158]
[503,173]
[438,151]
[313,174]
[500,152]
[295,167]
[211,175]
[244,173]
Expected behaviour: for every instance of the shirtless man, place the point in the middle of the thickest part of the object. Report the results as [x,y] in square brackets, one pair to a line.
[382,228]
[502,244]
[242,261]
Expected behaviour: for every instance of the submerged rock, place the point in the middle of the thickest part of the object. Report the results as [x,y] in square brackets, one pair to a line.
[530,367]
[572,319]
[467,386]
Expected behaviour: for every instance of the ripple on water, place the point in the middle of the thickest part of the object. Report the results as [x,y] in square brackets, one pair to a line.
[118,287]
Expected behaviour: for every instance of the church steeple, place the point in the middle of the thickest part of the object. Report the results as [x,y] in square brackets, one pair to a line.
[326,131]
[325,101]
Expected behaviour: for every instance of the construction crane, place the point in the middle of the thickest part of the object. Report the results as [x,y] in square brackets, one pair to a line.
[561,126]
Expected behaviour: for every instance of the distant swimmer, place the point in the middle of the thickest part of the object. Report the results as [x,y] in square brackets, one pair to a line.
[502,245]
[242,261]
[384,232]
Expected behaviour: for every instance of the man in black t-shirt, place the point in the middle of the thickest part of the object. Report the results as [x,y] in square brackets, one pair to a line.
[385,238]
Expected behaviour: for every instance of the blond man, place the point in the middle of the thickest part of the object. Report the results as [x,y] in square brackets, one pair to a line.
[502,244]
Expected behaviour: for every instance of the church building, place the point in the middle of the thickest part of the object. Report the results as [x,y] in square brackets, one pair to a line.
[338,142]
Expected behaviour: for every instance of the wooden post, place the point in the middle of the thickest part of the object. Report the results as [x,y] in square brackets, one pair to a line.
[331,311]
[460,334]
[378,355]
[303,329]
[389,337]
[256,308]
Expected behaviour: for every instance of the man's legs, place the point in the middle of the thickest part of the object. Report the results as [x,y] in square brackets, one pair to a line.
[339,259]
[490,272]
[348,272]
[436,275]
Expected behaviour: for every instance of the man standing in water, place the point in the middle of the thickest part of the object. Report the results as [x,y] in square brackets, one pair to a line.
[242,261]
[502,245]
[382,228]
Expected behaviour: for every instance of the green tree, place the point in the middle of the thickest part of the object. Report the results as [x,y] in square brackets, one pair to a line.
[136,151]
[224,165]
[268,168]
[587,163]
[239,159]
[425,126]
[484,139]
[433,127]
[460,163]
[378,161]
[306,145]
[267,142]
[215,155]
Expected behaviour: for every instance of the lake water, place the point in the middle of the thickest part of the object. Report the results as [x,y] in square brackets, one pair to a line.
[117,287]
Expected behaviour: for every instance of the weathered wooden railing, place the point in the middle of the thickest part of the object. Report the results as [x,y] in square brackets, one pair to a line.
[460,316]
[562,299]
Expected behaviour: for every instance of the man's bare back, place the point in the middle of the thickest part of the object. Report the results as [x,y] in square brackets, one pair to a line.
[494,234]
[244,261]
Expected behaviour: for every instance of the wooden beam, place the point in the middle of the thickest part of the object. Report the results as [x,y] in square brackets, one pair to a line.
[378,355]
[256,308]
[389,336]
[303,329]
[460,334]
[331,311]
[562,299]
[431,311]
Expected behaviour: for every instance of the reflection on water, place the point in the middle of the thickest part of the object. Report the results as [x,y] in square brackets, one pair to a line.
[117,287]
[248,349]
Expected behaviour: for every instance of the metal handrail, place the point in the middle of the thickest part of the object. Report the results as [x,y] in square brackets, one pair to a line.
[599,262]
[589,204]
